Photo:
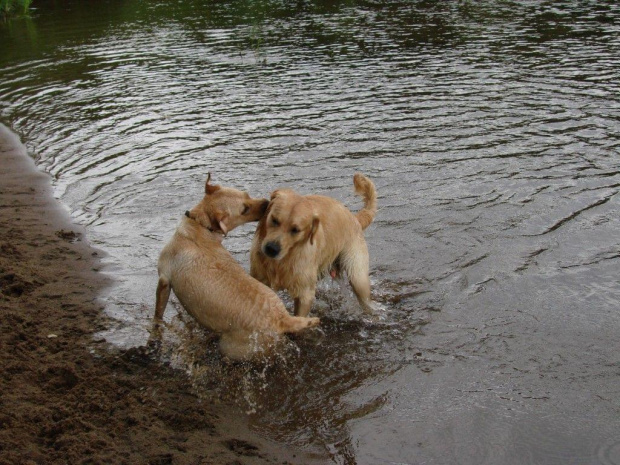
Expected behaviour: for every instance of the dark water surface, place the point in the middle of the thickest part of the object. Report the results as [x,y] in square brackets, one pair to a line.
[492,132]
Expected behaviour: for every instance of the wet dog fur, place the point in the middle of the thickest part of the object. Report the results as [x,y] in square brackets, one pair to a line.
[213,287]
[302,238]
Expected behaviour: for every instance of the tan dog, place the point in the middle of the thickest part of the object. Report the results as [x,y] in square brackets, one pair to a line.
[302,238]
[212,286]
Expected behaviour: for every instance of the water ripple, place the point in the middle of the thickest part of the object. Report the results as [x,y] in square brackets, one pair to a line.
[490,129]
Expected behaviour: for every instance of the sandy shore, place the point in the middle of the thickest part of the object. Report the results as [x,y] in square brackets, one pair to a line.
[67,398]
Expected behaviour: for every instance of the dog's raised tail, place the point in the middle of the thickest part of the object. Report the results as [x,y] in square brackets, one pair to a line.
[365,188]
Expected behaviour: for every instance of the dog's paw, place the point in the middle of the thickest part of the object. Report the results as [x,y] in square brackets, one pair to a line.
[375,312]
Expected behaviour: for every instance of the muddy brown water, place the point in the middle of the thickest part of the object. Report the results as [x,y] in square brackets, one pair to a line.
[492,132]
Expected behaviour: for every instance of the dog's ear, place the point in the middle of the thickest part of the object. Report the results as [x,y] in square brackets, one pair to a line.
[267,209]
[275,194]
[209,189]
[219,218]
[314,228]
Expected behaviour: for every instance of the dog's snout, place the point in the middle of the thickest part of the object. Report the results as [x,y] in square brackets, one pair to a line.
[272,249]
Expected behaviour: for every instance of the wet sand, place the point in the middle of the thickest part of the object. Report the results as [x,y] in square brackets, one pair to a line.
[67,397]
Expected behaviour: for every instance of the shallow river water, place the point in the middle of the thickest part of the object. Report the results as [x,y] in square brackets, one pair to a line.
[492,132]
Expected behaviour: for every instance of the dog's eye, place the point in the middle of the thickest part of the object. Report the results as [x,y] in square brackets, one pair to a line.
[294,230]
[275,222]
[246,209]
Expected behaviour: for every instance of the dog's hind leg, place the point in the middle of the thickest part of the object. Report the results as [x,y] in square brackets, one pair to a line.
[361,288]
[244,345]
[161,297]
[236,345]
[355,263]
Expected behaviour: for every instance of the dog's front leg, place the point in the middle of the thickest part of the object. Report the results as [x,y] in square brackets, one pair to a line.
[303,303]
[161,297]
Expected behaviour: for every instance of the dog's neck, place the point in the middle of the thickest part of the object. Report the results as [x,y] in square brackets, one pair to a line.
[216,232]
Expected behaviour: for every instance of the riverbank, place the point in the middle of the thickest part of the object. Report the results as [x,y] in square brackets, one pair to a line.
[66,397]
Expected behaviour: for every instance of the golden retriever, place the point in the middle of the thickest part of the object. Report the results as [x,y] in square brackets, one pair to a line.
[302,238]
[213,287]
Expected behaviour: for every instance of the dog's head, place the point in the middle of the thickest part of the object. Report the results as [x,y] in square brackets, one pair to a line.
[290,222]
[223,208]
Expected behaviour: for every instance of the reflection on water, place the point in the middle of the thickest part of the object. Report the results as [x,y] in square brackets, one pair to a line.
[491,132]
